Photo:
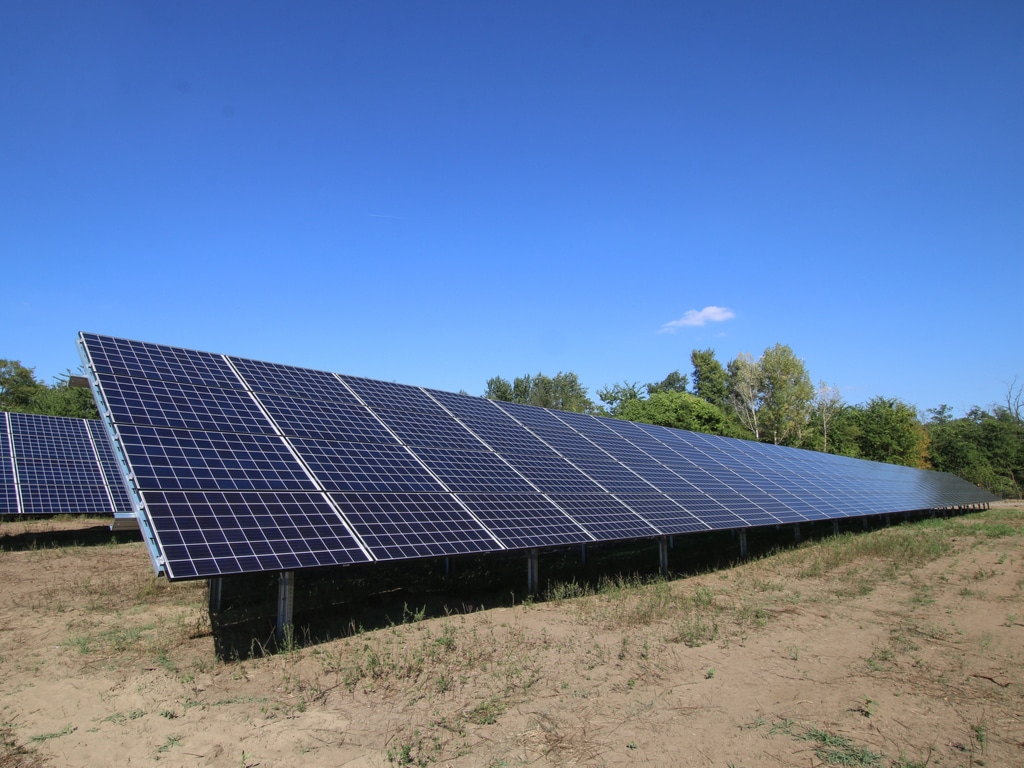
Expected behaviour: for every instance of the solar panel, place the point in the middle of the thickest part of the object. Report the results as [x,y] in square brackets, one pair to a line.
[58,465]
[8,480]
[242,465]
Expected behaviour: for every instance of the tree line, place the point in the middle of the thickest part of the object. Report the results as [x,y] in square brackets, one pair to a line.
[772,399]
[22,392]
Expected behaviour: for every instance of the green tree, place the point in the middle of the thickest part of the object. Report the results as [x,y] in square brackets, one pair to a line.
[786,393]
[828,403]
[985,448]
[891,432]
[710,379]
[18,386]
[745,392]
[614,396]
[20,391]
[563,392]
[62,399]
[674,382]
[676,409]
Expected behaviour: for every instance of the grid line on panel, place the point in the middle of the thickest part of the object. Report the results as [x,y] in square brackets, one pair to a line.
[522,521]
[50,437]
[436,430]
[666,514]
[363,467]
[473,471]
[58,472]
[181,405]
[506,436]
[552,474]
[384,394]
[404,525]
[8,481]
[42,499]
[138,359]
[110,469]
[605,517]
[169,459]
[216,533]
[466,407]
[326,420]
[291,381]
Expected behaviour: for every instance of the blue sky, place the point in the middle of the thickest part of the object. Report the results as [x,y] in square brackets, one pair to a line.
[437,193]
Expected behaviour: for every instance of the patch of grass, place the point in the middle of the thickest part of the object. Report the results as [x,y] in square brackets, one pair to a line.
[67,730]
[16,755]
[487,711]
[839,750]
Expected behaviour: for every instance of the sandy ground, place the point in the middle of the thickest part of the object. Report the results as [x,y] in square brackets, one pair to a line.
[888,658]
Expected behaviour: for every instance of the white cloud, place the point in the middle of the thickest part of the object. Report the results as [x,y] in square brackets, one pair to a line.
[699,317]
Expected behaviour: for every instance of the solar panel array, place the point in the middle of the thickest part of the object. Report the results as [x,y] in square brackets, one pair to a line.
[242,465]
[58,465]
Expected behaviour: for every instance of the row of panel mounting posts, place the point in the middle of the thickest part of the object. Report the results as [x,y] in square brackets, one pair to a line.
[286,583]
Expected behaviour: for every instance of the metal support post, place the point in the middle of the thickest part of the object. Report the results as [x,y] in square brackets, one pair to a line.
[663,554]
[532,572]
[583,553]
[447,567]
[743,544]
[835,527]
[285,602]
[796,532]
[216,591]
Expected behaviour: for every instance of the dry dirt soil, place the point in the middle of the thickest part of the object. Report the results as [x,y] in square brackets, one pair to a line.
[899,646]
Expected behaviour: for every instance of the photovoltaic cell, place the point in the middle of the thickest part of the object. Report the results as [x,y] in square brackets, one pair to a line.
[404,525]
[365,467]
[54,465]
[383,394]
[522,521]
[212,533]
[474,472]
[8,493]
[136,359]
[326,420]
[419,428]
[179,405]
[175,459]
[603,516]
[243,466]
[302,383]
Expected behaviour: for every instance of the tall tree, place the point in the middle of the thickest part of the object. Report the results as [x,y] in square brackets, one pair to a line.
[18,386]
[614,396]
[676,409]
[563,391]
[710,379]
[986,448]
[786,394]
[745,392]
[827,403]
[891,432]
[674,382]
[20,391]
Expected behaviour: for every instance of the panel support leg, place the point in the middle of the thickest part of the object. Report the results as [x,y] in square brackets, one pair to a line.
[285,602]
[663,555]
[447,567]
[532,572]
[216,591]
[796,532]
[743,544]
[865,519]
[583,553]
[888,520]
[835,527]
